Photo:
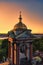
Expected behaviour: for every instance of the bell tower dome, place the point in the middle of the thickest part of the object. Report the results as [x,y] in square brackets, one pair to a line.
[20,25]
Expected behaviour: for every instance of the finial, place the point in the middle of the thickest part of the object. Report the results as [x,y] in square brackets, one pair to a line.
[20,12]
[20,18]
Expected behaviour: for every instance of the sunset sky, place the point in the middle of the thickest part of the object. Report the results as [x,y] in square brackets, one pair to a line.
[32,14]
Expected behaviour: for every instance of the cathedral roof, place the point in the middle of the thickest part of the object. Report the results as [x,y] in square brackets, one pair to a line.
[20,24]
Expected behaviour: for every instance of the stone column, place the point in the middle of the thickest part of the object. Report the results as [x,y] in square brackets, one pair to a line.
[17,54]
[26,54]
[9,50]
[26,51]
[13,53]
[30,53]
[30,50]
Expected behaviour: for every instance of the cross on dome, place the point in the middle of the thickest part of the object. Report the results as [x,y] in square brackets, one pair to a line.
[20,17]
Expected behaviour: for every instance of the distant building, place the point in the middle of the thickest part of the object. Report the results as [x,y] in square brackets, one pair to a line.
[38,35]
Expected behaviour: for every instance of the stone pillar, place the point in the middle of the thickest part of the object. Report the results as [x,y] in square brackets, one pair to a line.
[13,53]
[17,54]
[30,50]
[9,50]
[30,53]
[26,52]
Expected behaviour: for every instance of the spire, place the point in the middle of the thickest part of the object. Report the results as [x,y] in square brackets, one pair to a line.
[20,17]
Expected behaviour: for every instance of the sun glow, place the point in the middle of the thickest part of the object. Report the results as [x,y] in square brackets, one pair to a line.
[9,14]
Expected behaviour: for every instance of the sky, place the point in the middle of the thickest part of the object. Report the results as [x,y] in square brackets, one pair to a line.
[32,14]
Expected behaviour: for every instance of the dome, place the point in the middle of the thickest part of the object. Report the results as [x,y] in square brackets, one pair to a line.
[20,25]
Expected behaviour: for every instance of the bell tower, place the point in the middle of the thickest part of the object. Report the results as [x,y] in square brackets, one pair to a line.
[20,40]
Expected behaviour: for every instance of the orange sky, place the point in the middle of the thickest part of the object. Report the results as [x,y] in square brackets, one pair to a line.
[9,14]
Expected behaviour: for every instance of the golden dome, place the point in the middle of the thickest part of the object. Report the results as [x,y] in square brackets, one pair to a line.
[20,25]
